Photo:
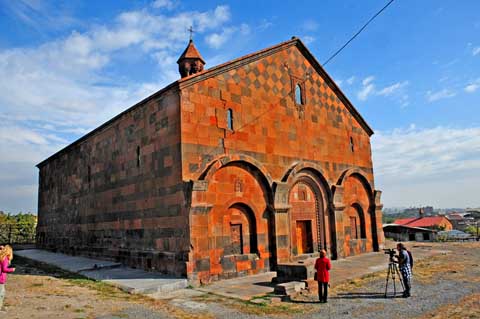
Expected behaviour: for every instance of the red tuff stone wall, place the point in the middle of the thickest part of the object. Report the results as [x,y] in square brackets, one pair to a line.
[281,142]
[357,202]
[97,198]
[235,197]
[222,157]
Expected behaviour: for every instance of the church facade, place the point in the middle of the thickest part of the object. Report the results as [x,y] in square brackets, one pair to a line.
[226,172]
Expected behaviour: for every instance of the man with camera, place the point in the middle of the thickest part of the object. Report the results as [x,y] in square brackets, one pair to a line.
[405,268]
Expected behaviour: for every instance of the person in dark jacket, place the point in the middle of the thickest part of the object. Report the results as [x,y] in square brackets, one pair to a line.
[405,269]
[322,266]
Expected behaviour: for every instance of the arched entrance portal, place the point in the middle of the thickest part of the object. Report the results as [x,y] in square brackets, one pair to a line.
[356,220]
[307,218]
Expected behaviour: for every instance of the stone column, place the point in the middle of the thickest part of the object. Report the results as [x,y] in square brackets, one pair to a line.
[282,222]
[198,264]
[338,211]
[378,215]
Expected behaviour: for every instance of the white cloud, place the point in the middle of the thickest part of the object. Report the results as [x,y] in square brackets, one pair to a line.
[351,80]
[167,4]
[59,90]
[404,100]
[472,87]
[439,95]
[397,91]
[216,40]
[389,90]
[21,149]
[423,165]
[66,80]
[367,89]
[264,24]
[476,51]
[39,15]
[308,39]
[368,80]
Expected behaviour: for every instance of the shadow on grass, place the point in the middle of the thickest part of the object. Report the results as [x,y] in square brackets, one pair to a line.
[25,266]
[301,301]
[364,295]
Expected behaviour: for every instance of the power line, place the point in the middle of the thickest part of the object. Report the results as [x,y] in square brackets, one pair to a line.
[335,54]
[358,32]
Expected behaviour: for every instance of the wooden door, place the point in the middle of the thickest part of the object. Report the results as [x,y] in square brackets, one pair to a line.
[304,237]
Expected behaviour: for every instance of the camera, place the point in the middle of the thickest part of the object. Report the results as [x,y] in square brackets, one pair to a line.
[390,252]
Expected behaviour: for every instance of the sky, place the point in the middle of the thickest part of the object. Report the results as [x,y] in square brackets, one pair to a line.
[414,75]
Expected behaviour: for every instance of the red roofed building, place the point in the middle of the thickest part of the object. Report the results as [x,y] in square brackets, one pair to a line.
[433,222]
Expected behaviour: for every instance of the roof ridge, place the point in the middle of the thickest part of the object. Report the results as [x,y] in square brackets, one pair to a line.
[227,66]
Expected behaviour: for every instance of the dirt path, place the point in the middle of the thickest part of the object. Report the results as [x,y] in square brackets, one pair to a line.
[445,286]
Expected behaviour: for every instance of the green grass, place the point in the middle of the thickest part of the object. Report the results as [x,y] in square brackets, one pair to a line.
[104,290]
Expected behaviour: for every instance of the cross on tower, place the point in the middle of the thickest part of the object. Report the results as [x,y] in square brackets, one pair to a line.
[191,32]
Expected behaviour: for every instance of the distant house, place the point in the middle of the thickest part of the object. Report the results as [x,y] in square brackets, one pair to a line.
[431,222]
[408,233]
[473,213]
[461,221]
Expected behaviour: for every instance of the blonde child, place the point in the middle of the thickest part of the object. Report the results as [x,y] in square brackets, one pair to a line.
[6,256]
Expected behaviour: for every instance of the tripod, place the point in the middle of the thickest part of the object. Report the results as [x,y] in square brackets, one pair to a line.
[392,273]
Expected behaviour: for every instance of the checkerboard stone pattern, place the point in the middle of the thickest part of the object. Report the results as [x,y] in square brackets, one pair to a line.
[269,129]
[169,186]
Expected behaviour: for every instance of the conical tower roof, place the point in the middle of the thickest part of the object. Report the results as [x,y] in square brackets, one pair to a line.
[191,52]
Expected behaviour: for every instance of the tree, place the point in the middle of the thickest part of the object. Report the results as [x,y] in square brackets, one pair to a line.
[472,229]
[18,228]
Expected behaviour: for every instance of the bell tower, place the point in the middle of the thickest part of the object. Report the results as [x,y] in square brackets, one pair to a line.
[190,62]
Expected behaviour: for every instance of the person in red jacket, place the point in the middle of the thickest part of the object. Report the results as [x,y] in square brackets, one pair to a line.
[322,266]
[6,256]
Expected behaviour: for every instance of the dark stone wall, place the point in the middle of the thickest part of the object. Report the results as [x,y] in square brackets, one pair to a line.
[118,194]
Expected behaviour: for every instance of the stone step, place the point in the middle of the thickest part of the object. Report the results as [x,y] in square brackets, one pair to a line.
[289,288]
[135,281]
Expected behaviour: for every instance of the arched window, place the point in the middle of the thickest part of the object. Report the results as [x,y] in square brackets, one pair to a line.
[352,146]
[230,119]
[302,195]
[138,156]
[298,94]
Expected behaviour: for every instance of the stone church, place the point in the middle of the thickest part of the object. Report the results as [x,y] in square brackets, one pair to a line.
[228,171]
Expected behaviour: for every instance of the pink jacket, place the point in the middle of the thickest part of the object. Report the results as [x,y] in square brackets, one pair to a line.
[4,270]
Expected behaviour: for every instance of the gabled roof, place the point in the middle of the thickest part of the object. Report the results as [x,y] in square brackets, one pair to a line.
[396,226]
[455,216]
[404,221]
[421,221]
[190,52]
[225,67]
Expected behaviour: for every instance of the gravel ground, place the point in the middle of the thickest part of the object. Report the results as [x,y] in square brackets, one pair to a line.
[439,281]
[445,286]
